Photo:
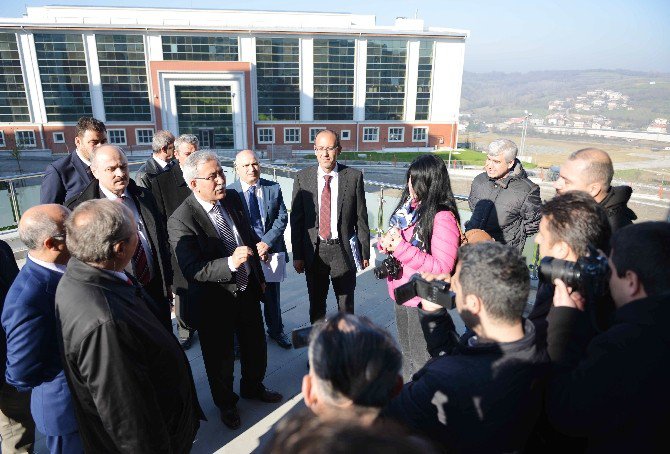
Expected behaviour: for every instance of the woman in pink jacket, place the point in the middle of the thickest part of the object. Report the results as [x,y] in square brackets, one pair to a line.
[424,237]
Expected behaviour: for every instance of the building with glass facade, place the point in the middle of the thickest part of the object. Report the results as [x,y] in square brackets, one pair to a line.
[236,79]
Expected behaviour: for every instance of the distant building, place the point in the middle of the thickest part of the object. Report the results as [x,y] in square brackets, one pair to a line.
[236,79]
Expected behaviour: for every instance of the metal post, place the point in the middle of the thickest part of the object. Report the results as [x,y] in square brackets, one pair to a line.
[380,214]
[274,174]
[14,201]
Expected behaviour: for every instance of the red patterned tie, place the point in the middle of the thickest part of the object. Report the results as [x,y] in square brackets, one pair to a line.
[324,210]
[139,260]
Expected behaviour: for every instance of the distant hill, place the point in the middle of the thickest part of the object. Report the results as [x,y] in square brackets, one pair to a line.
[497,96]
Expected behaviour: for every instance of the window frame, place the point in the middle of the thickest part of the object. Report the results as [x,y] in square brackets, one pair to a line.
[425,129]
[137,136]
[3,143]
[53,136]
[402,134]
[16,138]
[376,135]
[298,140]
[265,142]
[348,131]
[109,136]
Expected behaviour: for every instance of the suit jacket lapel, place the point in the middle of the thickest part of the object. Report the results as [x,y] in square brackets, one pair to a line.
[147,218]
[314,189]
[80,166]
[202,218]
[342,186]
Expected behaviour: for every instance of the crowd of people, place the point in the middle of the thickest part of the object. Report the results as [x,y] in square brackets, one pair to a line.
[91,360]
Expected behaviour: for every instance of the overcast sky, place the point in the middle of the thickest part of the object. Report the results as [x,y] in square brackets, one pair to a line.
[509,36]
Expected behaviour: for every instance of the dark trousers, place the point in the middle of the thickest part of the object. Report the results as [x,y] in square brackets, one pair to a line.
[64,444]
[184,330]
[412,342]
[329,264]
[272,309]
[220,320]
[17,428]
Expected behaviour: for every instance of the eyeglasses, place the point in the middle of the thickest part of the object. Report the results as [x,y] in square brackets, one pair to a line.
[329,149]
[213,176]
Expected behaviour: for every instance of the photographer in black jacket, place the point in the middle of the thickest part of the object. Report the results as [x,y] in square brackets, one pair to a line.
[616,393]
[481,394]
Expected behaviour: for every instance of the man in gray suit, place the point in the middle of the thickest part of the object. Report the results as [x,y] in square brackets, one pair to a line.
[264,205]
[160,161]
[329,226]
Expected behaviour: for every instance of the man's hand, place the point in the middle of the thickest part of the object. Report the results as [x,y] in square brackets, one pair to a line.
[430,277]
[262,248]
[240,255]
[390,240]
[565,297]
[366,263]
[299,266]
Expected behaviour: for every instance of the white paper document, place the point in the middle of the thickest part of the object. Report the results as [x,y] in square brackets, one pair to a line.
[275,268]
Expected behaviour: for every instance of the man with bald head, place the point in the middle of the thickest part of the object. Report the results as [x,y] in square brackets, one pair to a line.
[29,319]
[151,262]
[264,206]
[591,170]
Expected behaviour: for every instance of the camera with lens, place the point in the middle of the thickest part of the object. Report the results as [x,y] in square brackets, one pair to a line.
[390,267]
[588,274]
[435,291]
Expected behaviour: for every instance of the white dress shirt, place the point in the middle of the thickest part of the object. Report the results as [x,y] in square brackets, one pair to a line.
[208,207]
[144,236]
[259,195]
[160,162]
[83,159]
[333,197]
[48,265]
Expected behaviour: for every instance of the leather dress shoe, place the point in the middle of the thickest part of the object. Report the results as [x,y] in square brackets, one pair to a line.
[266,395]
[231,418]
[282,340]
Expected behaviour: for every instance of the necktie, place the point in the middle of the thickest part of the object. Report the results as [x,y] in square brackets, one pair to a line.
[324,210]
[89,173]
[228,237]
[255,213]
[139,260]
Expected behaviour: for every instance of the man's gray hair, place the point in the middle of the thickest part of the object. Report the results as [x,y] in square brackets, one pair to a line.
[162,139]
[195,160]
[38,228]
[187,138]
[508,149]
[498,275]
[96,150]
[95,226]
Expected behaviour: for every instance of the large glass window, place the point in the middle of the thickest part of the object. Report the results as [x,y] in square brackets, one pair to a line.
[278,78]
[13,101]
[423,83]
[124,77]
[207,112]
[62,63]
[334,79]
[385,81]
[200,48]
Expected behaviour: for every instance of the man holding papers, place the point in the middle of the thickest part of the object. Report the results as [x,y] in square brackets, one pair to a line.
[264,205]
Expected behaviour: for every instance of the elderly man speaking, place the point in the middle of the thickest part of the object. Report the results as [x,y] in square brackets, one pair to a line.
[130,380]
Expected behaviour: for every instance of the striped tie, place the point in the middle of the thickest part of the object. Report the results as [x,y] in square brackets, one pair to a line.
[228,237]
[139,261]
[324,210]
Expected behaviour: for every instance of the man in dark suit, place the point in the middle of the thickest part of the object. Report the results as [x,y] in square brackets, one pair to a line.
[131,383]
[170,190]
[69,175]
[29,319]
[265,209]
[17,429]
[161,159]
[216,252]
[328,217]
[151,263]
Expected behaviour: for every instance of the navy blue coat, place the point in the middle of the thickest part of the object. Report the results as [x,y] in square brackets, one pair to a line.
[33,359]
[8,272]
[276,216]
[64,179]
